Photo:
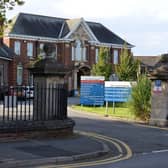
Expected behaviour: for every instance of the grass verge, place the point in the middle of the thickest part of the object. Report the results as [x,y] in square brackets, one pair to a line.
[120,110]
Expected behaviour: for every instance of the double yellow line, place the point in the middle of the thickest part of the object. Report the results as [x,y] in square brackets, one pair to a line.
[123,150]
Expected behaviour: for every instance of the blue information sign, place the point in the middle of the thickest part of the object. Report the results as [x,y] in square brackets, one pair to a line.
[117,91]
[92,90]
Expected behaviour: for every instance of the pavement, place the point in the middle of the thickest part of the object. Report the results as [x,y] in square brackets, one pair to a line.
[30,152]
[24,152]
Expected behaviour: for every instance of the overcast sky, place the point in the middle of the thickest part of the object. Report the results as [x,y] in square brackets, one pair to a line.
[143,23]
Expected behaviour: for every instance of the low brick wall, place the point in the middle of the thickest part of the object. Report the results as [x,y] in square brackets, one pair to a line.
[37,128]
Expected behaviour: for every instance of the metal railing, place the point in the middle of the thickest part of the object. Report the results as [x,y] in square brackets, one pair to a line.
[27,103]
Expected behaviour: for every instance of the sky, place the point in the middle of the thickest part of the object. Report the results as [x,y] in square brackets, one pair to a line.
[143,23]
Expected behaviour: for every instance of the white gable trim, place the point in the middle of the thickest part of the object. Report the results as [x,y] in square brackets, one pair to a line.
[86,28]
[61,30]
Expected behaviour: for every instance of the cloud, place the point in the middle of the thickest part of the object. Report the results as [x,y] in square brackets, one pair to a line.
[142,22]
[113,8]
[149,43]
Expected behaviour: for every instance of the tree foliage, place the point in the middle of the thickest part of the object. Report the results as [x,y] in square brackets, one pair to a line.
[128,67]
[103,66]
[6,5]
[141,96]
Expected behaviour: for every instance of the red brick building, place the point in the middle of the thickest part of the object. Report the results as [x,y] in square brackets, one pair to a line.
[76,41]
[6,57]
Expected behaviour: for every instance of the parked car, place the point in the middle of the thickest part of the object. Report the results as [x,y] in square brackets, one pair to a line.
[28,91]
[22,92]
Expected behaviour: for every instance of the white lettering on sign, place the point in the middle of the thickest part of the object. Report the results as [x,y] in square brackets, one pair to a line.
[117,84]
[92,78]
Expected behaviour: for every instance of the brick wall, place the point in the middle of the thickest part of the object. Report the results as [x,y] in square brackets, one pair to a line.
[63,56]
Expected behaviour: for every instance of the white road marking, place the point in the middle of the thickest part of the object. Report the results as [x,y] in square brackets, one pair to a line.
[160,151]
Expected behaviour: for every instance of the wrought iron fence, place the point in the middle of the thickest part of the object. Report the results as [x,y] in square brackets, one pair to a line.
[32,103]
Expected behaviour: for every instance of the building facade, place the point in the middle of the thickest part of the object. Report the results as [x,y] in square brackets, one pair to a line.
[6,57]
[76,42]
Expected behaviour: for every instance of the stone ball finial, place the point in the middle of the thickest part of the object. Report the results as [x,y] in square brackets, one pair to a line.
[48,49]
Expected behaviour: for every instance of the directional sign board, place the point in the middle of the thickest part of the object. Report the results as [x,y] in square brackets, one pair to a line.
[116,91]
[92,90]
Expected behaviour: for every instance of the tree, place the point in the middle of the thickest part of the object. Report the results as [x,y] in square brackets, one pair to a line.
[103,66]
[141,96]
[4,6]
[128,68]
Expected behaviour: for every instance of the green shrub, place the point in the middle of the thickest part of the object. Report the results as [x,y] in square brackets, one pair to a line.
[141,95]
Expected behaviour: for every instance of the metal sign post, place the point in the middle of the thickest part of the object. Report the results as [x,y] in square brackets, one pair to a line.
[106,112]
[113,107]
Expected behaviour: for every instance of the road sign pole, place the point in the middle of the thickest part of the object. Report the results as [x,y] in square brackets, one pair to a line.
[106,113]
[113,107]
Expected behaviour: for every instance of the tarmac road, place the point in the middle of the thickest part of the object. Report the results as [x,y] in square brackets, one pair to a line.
[148,144]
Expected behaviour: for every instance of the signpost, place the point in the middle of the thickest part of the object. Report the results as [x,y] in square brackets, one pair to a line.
[116,91]
[92,90]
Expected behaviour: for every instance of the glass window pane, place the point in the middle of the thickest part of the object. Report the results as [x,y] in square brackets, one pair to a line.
[17,47]
[73,53]
[78,50]
[29,49]
[115,59]
[19,74]
[97,55]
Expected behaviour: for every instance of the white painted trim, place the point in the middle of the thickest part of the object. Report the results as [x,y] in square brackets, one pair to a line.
[61,30]
[53,40]
[6,58]
[34,38]
[86,27]
[89,30]
[110,45]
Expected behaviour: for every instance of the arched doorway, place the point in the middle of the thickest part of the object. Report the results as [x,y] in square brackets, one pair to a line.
[82,71]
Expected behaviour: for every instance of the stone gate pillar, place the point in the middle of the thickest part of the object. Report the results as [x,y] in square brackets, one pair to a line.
[159,91]
[50,93]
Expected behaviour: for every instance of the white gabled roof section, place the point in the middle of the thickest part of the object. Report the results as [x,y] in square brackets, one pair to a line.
[75,23]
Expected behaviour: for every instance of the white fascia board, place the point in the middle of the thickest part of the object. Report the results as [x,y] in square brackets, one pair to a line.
[37,38]
[87,29]
[110,45]
[8,59]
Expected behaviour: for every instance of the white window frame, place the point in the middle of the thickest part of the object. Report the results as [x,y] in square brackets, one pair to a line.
[115,56]
[17,47]
[84,54]
[30,49]
[41,51]
[97,55]
[73,53]
[78,51]
[19,74]
[54,54]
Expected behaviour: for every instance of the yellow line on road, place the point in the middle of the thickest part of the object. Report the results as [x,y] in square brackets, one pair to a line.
[117,143]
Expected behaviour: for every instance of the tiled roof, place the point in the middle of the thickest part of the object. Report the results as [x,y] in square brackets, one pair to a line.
[148,60]
[52,27]
[5,52]
[104,35]
[36,25]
